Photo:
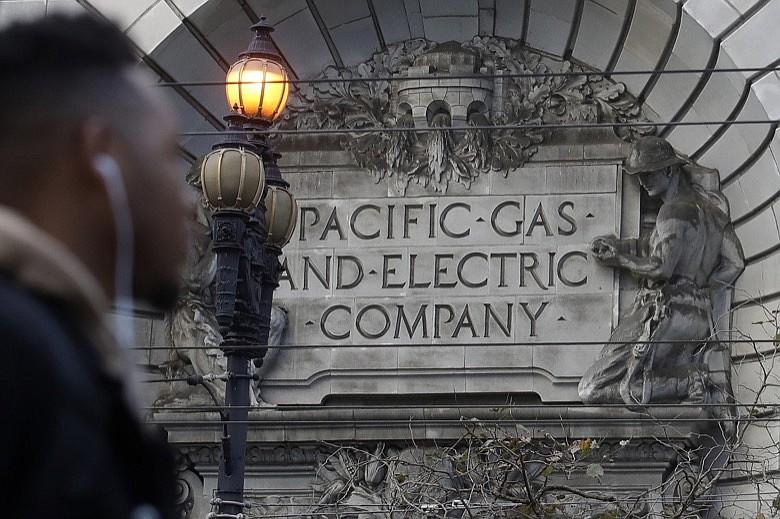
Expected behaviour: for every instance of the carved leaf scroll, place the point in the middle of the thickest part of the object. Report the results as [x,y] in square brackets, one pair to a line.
[437,158]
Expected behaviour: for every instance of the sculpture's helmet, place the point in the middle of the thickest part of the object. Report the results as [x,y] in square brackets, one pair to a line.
[650,154]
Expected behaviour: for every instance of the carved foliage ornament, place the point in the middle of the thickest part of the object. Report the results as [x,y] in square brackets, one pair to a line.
[487,476]
[436,158]
[490,477]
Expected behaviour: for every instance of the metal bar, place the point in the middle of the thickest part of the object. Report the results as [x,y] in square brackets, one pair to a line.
[498,127]
[767,69]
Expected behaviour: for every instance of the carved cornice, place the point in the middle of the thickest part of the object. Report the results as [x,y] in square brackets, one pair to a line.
[265,455]
[197,455]
[641,450]
[500,91]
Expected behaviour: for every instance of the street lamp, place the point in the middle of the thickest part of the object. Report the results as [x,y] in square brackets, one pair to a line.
[254,214]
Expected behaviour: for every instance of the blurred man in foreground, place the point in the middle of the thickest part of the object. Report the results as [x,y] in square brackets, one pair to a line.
[91,210]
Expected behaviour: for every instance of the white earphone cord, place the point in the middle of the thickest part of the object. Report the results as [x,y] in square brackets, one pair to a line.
[123,273]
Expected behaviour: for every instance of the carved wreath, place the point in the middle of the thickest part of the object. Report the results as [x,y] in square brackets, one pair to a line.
[436,158]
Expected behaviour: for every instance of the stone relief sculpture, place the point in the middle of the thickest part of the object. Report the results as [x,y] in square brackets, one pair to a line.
[518,97]
[189,486]
[279,322]
[192,329]
[659,350]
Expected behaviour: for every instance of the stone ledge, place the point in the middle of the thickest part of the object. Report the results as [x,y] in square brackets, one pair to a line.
[424,424]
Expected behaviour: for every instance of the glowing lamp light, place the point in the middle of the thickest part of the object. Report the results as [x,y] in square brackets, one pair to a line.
[257,84]
[232,178]
[257,88]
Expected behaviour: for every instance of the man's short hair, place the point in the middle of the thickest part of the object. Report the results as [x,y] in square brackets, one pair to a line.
[41,59]
[56,72]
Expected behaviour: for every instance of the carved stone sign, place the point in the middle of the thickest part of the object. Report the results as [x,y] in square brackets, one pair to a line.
[497,268]
[441,285]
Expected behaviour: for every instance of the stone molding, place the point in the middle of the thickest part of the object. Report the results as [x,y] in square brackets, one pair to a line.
[321,425]
[207,455]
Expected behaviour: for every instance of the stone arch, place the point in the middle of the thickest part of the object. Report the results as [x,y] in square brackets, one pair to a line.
[476,108]
[610,35]
[437,108]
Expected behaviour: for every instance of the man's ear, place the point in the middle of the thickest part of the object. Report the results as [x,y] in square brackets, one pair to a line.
[94,141]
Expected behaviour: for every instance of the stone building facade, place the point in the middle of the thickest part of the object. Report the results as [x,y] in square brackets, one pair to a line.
[377,374]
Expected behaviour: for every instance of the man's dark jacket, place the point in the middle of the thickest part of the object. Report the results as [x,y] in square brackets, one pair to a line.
[71,447]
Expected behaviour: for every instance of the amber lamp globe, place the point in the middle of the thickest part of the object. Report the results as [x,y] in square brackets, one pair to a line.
[257,84]
[281,215]
[232,178]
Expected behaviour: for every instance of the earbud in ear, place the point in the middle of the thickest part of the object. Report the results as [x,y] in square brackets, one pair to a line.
[106,165]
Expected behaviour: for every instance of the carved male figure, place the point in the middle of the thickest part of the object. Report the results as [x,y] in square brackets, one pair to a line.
[193,332]
[655,354]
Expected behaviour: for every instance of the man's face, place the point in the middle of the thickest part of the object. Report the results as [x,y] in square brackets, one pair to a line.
[655,182]
[159,202]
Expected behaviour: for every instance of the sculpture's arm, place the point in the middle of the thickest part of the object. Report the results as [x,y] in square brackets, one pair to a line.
[666,248]
[731,263]
[625,245]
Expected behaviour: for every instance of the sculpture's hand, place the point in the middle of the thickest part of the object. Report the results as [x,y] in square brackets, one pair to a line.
[640,350]
[211,340]
[605,249]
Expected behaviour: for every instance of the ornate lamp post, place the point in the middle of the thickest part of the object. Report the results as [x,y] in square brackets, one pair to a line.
[254,216]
